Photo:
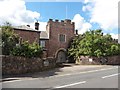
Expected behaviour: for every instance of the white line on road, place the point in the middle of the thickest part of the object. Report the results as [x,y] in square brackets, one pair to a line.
[111,75]
[70,84]
[84,72]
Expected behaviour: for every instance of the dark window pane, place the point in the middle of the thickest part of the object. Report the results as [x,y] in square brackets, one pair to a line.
[62,38]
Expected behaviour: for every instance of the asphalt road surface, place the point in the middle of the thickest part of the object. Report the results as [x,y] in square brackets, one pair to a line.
[70,77]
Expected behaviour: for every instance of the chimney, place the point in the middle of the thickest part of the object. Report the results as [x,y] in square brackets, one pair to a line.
[28,25]
[76,32]
[37,25]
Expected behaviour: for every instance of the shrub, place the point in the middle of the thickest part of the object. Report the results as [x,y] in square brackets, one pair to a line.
[27,50]
[9,39]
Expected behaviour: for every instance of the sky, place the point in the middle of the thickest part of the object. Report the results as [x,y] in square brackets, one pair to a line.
[87,14]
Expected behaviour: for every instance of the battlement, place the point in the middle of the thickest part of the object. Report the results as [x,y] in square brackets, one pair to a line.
[66,21]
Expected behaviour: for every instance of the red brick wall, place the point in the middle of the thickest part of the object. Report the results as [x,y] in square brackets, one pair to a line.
[27,35]
[56,28]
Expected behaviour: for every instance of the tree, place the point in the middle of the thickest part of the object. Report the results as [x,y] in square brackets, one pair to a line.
[73,50]
[93,43]
[9,39]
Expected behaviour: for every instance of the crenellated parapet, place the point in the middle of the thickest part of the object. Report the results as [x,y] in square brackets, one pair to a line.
[62,22]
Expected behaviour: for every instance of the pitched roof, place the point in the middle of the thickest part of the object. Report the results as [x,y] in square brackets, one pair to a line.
[24,27]
[44,35]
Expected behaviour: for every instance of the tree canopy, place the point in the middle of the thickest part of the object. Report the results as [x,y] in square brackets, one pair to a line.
[9,39]
[93,43]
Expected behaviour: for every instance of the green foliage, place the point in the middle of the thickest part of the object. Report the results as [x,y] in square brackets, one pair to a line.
[115,49]
[93,43]
[73,50]
[11,45]
[9,39]
[27,50]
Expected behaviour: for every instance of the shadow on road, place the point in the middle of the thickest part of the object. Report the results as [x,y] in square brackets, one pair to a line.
[42,74]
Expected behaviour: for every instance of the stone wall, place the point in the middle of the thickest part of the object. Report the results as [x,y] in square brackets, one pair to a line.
[114,60]
[19,65]
[110,60]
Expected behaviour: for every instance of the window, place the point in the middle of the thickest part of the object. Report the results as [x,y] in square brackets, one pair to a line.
[42,43]
[62,38]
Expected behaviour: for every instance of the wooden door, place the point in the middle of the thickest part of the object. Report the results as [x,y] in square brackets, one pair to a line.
[61,57]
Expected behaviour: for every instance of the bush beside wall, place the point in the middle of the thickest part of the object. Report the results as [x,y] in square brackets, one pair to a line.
[19,65]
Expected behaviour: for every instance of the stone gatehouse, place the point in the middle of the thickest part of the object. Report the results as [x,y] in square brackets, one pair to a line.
[56,38]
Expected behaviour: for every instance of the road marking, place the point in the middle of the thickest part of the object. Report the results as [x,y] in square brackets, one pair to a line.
[70,84]
[111,75]
[83,72]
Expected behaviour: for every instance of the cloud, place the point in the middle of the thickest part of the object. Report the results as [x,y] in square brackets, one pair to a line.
[42,26]
[105,13]
[86,26]
[87,1]
[15,12]
[114,36]
[86,8]
[80,24]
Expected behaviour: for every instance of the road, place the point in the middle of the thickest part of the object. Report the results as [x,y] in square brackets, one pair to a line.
[72,77]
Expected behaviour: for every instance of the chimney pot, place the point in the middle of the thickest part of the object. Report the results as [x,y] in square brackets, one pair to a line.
[37,25]
[28,25]
[76,32]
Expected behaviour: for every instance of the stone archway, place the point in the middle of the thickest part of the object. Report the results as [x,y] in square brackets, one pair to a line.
[61,56]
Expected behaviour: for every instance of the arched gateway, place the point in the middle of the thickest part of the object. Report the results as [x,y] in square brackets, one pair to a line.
[61,55]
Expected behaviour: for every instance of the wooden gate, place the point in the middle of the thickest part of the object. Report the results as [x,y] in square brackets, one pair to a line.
[61,57]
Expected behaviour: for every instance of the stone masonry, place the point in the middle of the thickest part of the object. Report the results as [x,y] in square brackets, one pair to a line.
[54,29]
